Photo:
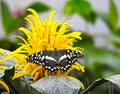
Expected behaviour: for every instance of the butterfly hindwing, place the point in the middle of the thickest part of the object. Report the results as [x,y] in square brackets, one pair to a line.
[67,58]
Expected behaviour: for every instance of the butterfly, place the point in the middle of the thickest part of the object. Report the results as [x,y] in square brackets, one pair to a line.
[51,60]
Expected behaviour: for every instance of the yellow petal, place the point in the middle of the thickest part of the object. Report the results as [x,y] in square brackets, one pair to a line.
[51,16]
[17,75]
[2,51]
[36,69]
[3,67]
[5,86]
[26,31]
[36,76]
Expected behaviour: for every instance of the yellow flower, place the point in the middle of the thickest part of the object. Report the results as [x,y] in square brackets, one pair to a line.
[43,35]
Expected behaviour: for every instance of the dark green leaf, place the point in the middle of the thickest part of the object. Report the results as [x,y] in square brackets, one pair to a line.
[38,7]
[81,7]
[116,31]
[117,44]
[85,43]
[21,86]
[113,14]
[7,44]
[9,74]
[6,16]
[9,22]
[17,22]
[34,91]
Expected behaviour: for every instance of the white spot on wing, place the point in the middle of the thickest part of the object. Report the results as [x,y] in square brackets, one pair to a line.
[46,67]
[68,51]
[49,58]
[42,58]
[52,69]
[62,57]
[41,52]
[49,67]
[66,66]
[68,56]
[43,64]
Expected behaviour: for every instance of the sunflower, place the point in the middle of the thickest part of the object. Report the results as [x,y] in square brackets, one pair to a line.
[43,35]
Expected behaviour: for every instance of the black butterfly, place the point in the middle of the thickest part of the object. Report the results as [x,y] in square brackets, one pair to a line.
[51,60]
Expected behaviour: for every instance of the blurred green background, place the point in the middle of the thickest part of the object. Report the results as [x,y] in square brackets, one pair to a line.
[101,33]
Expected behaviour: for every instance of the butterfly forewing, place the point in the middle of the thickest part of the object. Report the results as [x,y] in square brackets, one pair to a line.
[36,58]
[44,58]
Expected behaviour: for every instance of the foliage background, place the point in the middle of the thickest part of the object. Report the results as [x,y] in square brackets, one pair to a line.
[100,27]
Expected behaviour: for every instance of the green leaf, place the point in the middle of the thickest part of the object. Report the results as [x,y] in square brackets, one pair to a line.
[34,91]
[7,44]
[6,16]
[93,85]
[116,44]
[21,86]
[116,31]
[104,56]
[9,22]
[113,15]
[113,79]
[38,7]
[57,85]
[85,43]
[82,8]
[9,74]
[111,18]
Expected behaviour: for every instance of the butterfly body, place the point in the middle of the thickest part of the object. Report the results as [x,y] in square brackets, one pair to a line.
[52,60]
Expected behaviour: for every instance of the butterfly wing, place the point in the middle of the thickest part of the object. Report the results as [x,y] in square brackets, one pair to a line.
[51,59]
[67,58]
[44,58]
